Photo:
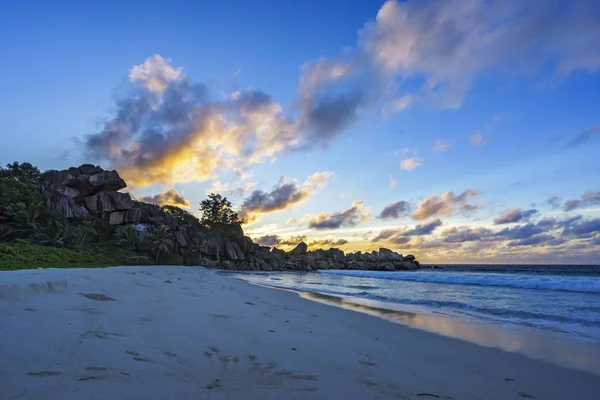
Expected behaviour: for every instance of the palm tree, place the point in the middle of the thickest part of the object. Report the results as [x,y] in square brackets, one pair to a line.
[127,237]
[83,233]
[161,242]
[24,218]
[55,233]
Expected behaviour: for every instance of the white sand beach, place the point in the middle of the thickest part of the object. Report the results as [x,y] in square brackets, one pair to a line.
[190,333]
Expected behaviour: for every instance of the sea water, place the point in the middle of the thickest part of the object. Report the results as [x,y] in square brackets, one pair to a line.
[544,311]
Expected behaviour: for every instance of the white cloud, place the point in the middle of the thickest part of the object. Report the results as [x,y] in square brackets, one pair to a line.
[408,164]
[402,103]
[156,73]
[440,146]
[450,42]
[392,182]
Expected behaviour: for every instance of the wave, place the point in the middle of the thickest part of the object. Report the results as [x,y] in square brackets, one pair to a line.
[569,284]
[508,315]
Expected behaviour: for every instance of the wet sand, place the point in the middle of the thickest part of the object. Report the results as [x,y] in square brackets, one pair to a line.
[189,333]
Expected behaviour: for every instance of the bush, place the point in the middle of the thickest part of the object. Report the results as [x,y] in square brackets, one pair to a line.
[12,191]
[24,255]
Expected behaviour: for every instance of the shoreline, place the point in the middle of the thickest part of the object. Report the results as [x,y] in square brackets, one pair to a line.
[557,348]
[189,332]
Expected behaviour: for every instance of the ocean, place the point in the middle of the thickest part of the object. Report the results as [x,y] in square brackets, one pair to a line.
[544,311]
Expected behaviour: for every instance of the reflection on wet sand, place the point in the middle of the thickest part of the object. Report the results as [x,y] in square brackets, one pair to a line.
[539,345]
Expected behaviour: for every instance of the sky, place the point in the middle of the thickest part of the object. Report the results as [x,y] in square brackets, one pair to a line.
[458,131]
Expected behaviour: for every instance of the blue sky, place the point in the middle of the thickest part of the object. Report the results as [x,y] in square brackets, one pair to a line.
[358,107]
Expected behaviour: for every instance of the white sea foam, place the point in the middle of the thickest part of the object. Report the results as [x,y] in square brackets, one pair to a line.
[564,283]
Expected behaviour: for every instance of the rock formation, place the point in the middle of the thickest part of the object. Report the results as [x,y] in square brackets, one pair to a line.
[91,191]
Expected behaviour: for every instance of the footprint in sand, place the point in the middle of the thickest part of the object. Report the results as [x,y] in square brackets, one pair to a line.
[526,395]
[90,378]
[214,384]
[136,356]
[367,362]
[367,383]
[94,368]
[97,296]
[44,373]
[102,334]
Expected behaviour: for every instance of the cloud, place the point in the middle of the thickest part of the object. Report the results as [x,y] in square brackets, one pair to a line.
[267,240]
[588,199]
[478,139]
[402,236]
[584,137]
[536,240]
[393,183]
[156,73]
[170,197]
[445,205]
[424,229]
[276,240]
[583,228]
[349,217]
[395,210]
[402,103]
[291,220]
[284,195]
[324,243]
[554,202]
[449,43]
[519,232]
[167,129]
[465,234]
[514,215]
[408,164]
[440,146]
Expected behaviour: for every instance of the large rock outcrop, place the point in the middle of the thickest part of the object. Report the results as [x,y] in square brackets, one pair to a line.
[90,190]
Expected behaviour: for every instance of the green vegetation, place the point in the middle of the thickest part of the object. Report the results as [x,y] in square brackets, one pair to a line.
[22,172]
[217,210]
[21,254]
[32,236]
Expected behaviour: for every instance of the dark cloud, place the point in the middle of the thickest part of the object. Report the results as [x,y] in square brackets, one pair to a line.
[325,117]
[583,228]
[283,195]
[536,240]
[395,210]
[170,197]
[584,137]
[514,215]
[445,205]
[292,240]
[465,234]
[327,242]
[588,199]
[402,236]
[423,229]
[519,232]
[554,202]
[349,217]
[267,240]
[552,223]
[276,240]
